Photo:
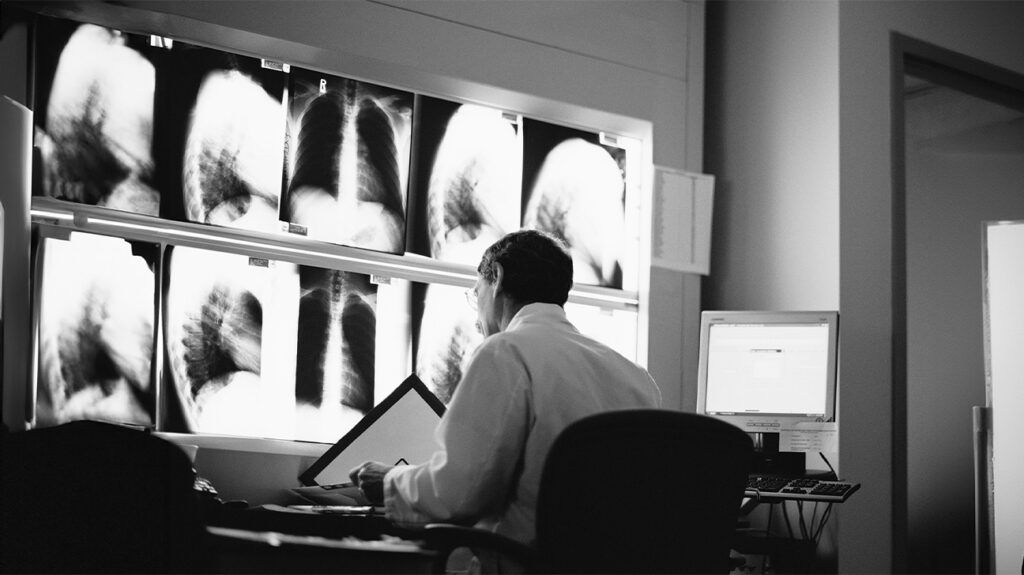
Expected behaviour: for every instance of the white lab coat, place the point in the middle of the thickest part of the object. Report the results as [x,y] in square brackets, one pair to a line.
[521,388]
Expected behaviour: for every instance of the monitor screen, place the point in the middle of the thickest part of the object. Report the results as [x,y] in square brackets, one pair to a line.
[764,370]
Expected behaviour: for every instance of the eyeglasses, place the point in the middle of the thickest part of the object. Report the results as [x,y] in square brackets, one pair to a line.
[471,298]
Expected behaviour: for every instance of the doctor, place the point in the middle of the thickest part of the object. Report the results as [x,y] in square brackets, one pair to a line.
[533,375]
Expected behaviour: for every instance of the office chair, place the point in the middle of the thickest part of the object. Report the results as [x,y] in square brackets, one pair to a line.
[634,491]
[95,497]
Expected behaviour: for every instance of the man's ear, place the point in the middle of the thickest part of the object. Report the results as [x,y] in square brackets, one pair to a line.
[499,276]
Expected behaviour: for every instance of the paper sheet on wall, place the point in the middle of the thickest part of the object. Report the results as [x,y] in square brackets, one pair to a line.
[681,220]
[809,437]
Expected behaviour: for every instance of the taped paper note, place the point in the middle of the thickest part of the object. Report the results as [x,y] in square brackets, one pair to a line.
[681,220]
[810,437]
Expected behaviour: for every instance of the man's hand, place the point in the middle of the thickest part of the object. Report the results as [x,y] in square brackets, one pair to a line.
[369,477]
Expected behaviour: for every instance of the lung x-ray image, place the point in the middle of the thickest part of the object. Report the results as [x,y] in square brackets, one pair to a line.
[447,335]
[268,348]
[96,305]
[575,188]
[219,133]
[94,93]
[348,160]
[468,179]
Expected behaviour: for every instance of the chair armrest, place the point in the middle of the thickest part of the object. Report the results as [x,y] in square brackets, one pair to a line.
[445,538]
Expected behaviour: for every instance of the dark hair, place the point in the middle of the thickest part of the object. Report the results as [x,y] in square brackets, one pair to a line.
[537,267]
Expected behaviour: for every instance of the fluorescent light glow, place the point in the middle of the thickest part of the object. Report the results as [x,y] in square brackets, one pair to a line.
[171,233]
[269,246]
[51,215]
[605,297]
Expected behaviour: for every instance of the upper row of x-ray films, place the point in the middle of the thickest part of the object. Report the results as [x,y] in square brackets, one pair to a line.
[182,132]
[195,134]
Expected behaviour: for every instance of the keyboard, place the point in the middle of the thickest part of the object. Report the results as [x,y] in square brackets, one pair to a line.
[775,488]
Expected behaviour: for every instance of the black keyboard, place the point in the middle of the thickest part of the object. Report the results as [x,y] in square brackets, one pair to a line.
[776,488]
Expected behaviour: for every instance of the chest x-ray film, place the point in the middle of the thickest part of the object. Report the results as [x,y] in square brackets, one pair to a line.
[574,187]
[347,160]
[218,136]
[468,182]
[94,92]
[265,348]
[399,429]
[446,336]
[95,303]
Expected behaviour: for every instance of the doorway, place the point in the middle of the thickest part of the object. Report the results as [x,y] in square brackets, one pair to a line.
[959,161]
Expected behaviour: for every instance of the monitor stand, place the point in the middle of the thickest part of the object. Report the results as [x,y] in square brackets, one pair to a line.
[768,460]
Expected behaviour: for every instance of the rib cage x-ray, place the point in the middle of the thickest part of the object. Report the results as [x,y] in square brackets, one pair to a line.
[94,140]
[348,148]
[448,335]
[267,348]
[473,192]
[219,136]
[96,316]
[214,335]
[232,163]
[335,367]
[578,194]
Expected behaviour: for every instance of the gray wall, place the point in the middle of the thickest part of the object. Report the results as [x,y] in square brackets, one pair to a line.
[954,182]
[773,145]
[988,31]
[776,60]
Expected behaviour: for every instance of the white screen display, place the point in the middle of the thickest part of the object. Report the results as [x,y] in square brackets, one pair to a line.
[770,369]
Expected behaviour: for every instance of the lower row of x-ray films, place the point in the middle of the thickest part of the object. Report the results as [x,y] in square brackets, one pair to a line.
[252,347]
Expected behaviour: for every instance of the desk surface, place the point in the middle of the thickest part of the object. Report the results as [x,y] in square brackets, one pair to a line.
[265,540]
[267,518]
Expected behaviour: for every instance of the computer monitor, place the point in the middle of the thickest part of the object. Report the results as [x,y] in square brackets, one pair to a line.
[766,371]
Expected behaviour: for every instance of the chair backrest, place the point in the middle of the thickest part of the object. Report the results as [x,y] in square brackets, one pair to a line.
[95,497]
[642,491]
